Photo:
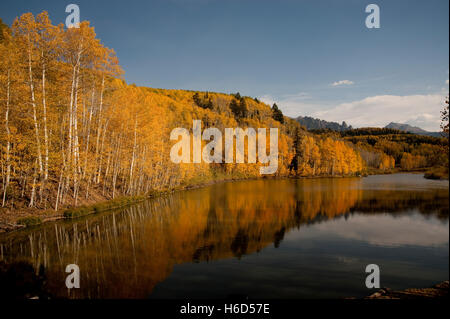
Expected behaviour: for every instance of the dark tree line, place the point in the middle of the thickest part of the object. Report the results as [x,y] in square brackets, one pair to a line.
[277,115]
[239,107]
[205,102]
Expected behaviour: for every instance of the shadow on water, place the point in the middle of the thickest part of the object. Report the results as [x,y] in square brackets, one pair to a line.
[126,253]
[20,280]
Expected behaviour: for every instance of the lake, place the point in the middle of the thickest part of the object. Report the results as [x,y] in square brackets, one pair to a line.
[269,238]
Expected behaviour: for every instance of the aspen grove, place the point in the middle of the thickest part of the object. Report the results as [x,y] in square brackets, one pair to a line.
[73,132]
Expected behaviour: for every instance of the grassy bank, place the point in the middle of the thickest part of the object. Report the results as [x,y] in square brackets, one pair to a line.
[33,217]
[437,173]
[101,207]
[74,212]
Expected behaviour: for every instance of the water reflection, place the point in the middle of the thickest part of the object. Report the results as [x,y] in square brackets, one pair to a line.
[125,254]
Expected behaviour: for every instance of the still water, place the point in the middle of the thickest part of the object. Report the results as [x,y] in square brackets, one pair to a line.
[307,238]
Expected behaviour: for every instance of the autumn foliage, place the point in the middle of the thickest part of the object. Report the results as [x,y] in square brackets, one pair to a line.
[74,132]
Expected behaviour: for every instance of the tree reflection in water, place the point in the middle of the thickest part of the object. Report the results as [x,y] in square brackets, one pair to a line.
[124,254]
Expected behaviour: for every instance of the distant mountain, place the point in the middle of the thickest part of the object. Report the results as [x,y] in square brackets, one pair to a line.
[318,124]
[411,129]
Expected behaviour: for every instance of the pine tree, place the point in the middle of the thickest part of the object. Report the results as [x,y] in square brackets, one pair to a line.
[277,115]
[3,29]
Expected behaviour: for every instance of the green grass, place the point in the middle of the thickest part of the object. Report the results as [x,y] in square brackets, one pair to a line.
[80,211]
[437,173]
[29,221]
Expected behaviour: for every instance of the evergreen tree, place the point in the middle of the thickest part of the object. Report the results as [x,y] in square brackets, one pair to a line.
[277,115]
[196,99]
[205,103]
[209,104]
[234,107]
[239,108]
[3,28]
[297,148]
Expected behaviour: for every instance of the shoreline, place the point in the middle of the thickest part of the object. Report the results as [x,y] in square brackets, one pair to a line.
[28,218]
[438,291]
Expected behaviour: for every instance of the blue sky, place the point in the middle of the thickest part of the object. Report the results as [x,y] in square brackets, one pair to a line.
[290,52]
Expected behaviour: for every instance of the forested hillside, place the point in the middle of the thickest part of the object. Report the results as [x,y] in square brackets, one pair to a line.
[386,147]
[73,132]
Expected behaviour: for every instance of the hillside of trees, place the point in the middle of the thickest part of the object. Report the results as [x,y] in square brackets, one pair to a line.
[389,148]
[73,132]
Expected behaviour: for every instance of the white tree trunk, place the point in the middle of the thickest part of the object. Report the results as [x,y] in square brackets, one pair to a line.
[8,142]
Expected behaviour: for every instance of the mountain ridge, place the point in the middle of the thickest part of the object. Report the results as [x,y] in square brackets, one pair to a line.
[317,124]
[311,123]
[411,129]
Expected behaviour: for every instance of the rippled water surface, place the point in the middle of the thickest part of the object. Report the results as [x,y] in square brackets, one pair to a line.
[308,238]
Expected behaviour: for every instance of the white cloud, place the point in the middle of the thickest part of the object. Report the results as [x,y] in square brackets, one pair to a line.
[377,111]
[385,230]
[342,82]
[289,98]
[417,110]
[298,96]
[268,99]
[293,105]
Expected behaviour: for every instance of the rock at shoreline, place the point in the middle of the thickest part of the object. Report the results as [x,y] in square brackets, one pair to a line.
[437,291]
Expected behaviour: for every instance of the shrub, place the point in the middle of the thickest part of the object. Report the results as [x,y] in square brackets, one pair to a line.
[29,221]
[100,207]
[76,212]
